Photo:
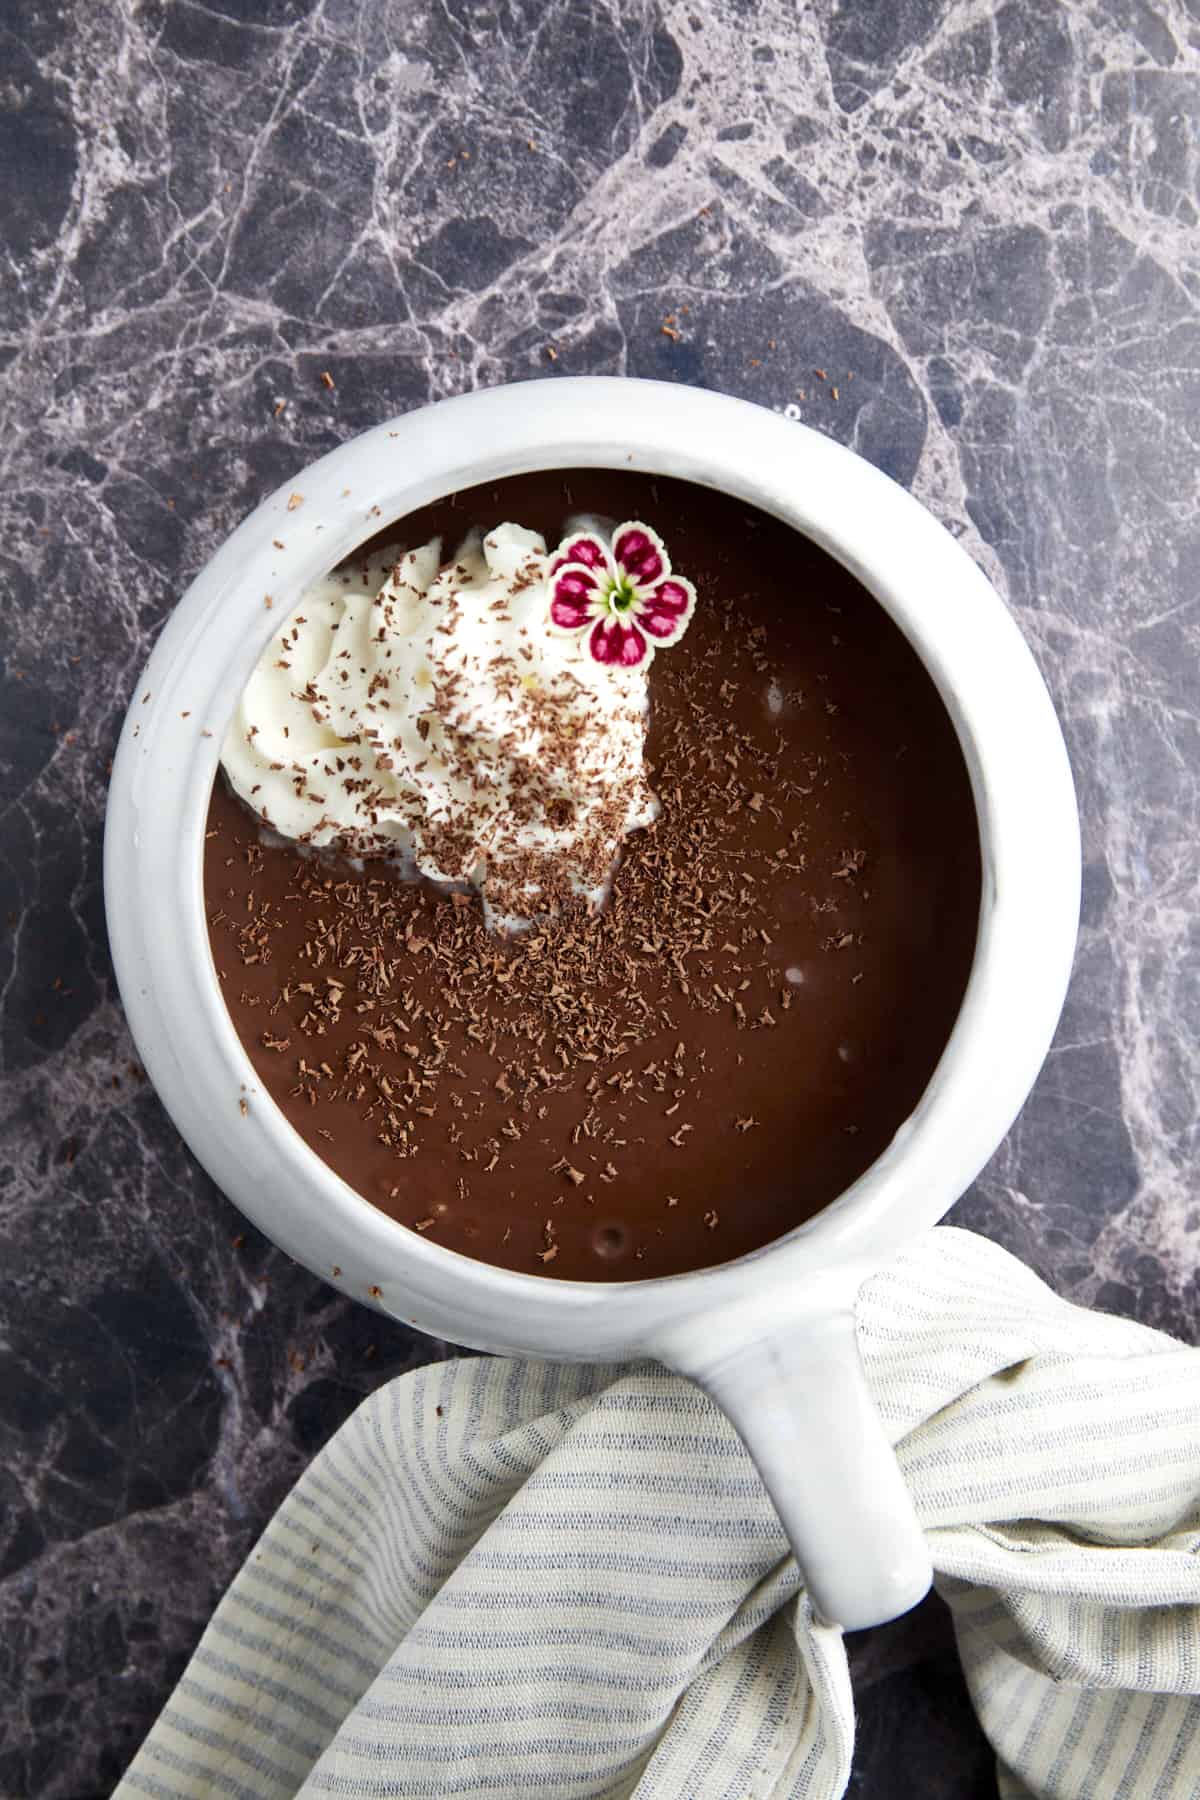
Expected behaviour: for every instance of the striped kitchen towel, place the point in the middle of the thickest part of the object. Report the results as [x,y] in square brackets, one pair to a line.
[525,1582]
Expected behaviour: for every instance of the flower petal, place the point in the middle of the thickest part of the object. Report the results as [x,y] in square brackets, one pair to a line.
[583,548]
[641,553]
[618,644]
[574,597]
[665,611]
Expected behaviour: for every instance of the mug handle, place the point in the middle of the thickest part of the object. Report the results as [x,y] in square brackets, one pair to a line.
[799,1401]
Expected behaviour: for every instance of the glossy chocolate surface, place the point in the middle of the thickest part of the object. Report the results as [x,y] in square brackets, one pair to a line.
[738,1037]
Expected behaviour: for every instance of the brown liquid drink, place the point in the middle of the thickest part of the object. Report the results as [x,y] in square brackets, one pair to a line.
[733,1040]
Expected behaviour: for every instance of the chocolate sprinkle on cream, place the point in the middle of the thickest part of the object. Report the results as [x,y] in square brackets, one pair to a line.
[417,709]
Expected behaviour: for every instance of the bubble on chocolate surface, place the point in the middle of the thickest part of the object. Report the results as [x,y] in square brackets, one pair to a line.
[611,1241]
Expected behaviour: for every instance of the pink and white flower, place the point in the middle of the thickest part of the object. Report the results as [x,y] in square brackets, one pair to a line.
[622,594]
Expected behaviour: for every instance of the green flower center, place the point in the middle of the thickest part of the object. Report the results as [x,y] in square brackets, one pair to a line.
[621,595]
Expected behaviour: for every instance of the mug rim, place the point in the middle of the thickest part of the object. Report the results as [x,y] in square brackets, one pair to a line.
[967,641]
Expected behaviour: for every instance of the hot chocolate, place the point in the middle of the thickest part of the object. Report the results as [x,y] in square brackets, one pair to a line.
[704,1062]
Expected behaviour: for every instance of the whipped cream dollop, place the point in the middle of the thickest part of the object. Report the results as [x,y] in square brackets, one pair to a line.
[422,711]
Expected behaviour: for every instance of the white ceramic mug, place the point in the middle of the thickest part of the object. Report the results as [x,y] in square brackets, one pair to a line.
[770,1336]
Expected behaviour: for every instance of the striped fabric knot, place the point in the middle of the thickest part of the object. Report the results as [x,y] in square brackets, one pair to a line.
[522,1581]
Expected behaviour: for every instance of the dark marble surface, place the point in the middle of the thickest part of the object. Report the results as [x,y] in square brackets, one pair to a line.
[988,213]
